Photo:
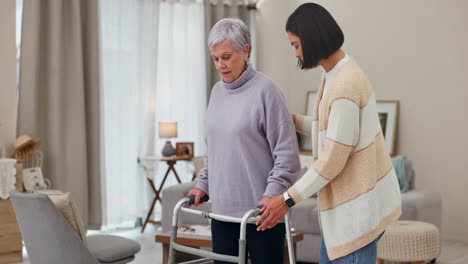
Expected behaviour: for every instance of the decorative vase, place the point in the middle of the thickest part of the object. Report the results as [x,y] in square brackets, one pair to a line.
[168,150]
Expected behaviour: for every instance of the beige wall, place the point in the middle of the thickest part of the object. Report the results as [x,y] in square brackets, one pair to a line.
[413,51]
[7,72]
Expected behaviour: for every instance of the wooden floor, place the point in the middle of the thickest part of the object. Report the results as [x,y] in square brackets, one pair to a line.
[453,252]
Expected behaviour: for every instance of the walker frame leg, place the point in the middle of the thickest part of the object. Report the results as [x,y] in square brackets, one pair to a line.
[241,258]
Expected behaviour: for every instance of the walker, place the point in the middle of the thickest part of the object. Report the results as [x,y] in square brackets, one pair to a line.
[250,216]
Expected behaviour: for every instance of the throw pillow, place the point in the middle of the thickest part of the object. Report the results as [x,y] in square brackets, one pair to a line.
[33,179]
[400,170]
[69,210]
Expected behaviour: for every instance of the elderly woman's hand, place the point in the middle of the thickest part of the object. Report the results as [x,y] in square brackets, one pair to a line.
[198,195]
[273,211]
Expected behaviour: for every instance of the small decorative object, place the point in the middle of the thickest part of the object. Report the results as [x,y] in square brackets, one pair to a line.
[195,230]
[184,149]
[168,129]
[388,117]
[306,141]
[24,147]
[7,177]
[33,179]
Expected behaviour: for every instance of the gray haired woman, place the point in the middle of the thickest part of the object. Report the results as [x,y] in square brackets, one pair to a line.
[252,154]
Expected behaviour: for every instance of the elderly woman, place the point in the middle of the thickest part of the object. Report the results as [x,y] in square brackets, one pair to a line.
[252,153]
[358,189]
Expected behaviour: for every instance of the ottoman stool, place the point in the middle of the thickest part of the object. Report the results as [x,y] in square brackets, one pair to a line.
[409,241]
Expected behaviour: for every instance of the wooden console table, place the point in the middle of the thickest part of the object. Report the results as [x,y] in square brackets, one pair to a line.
[11,242]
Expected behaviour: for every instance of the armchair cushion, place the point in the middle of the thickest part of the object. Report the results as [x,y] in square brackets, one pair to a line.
[111,249]
[68,208]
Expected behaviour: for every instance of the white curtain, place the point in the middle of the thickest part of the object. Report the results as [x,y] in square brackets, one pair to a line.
[153,68]
[181,84]
[129,56]
[19,19]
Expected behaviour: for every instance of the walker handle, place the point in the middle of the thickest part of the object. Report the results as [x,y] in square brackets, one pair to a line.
[192,199]
[259,207]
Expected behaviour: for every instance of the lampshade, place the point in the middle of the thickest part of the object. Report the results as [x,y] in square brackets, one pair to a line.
[167,129]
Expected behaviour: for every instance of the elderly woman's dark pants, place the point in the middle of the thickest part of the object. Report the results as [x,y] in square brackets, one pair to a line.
[263,247]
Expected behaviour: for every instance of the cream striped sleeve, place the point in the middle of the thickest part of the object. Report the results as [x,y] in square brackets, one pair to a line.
[304,124]
[342,135]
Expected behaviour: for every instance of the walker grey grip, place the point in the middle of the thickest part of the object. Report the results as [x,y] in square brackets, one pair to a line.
[202,200]
[259,207]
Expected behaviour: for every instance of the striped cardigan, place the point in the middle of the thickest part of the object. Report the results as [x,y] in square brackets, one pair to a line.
[359,195]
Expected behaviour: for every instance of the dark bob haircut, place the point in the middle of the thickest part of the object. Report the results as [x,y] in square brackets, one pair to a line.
[318,31]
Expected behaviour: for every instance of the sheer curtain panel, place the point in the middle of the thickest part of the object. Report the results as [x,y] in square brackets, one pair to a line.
[181,84]
[129,44]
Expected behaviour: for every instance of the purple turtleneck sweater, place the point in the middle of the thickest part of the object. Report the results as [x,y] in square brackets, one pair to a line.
[252,150]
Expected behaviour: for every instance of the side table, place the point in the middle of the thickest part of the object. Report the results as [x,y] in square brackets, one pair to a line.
[11,243]
[204,241]
[171,161]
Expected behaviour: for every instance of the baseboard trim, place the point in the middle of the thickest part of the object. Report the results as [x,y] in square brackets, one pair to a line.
[454,238]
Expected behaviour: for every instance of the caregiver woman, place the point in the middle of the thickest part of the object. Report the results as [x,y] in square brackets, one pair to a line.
[358,191]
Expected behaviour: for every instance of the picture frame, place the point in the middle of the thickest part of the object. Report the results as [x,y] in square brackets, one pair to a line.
[185,149]
[388,117]
[306,141]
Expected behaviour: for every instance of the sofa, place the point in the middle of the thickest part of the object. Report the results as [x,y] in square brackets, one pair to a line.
[417,204]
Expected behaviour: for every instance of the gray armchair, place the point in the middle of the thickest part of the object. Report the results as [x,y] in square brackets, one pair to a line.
[49,239]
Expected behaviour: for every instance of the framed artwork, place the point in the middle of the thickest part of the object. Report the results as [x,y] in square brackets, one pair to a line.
[388,117]
[306,141]
[184,149]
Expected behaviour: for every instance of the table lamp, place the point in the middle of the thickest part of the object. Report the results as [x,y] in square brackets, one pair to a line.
[168,129]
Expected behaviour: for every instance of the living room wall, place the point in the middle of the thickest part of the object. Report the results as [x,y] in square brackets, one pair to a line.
[412,51]
[7,72]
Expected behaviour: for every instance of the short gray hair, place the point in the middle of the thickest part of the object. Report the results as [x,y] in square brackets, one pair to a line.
[233,30]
